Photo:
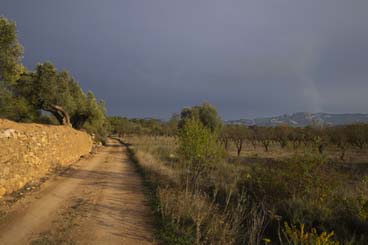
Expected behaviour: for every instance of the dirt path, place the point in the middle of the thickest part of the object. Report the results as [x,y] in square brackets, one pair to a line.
[99,201]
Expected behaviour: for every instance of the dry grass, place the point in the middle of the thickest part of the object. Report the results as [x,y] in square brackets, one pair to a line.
[194,215]
[246,202]
[209,224]
[151,153]
[159,146]
[151,164]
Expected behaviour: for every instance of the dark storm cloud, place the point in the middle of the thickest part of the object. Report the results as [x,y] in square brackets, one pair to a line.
[249,58]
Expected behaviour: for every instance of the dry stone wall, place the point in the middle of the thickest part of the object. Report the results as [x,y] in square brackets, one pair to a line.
[29,151]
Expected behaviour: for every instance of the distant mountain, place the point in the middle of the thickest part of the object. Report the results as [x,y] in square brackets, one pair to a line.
[302,119]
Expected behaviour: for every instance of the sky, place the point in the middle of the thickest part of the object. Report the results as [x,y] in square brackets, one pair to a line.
[249,58]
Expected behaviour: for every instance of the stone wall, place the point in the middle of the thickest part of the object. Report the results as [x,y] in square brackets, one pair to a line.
[29,151]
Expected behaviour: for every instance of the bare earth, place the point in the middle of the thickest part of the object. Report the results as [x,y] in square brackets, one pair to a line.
[98,201]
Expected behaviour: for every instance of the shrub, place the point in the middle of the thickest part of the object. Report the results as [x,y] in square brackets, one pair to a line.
[198,150]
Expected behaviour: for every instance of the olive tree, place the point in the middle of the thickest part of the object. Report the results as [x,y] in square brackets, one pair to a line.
[59,94]
[12,106]
[205,113]
[47,90]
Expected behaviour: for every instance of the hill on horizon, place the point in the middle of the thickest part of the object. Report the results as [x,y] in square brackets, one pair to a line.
[302,119]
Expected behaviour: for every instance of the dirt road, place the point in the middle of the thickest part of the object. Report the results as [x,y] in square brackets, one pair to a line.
[98,201]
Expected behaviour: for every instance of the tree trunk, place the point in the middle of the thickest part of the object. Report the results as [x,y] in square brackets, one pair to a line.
[254,143]
[342,156]
[225,142]
[295,144]
[360,144]
[321,148]
[58,117]
[283,143]
[239,147]
[61,115]
[79,120]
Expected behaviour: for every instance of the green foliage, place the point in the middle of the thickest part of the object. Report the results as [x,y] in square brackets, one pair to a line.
[95,117]
[123,126]
[197,144]
[15,108]
[46,88]
[173,124]
[298,235]
[10,52]
[198,149]
[308,190]
[58,93]
[119,125]
[11,106]
[206,114]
